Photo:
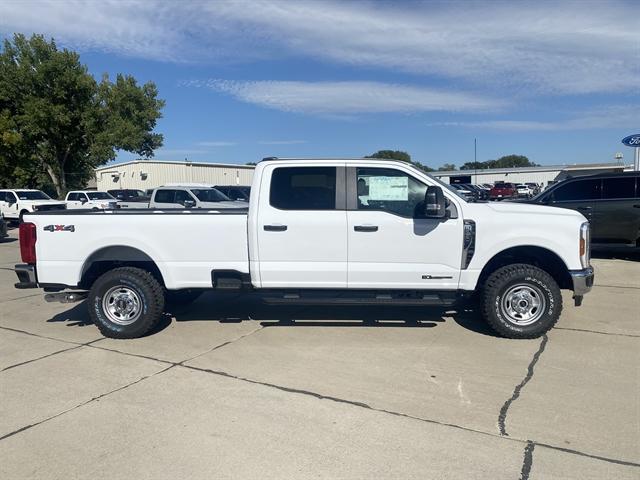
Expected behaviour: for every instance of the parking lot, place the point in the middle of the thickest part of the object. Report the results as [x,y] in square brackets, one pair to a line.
[235,389]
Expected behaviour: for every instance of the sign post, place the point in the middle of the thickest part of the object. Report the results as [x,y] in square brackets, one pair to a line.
[634,141]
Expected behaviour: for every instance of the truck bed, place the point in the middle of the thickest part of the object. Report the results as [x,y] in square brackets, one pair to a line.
[186,245]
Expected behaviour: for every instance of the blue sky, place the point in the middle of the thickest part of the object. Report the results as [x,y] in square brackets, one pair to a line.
[556,81]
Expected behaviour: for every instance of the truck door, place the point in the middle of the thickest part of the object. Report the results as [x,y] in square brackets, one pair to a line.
[579,195]
[391,245]
[616,218]
[73,201]
[9,205]
[302,227]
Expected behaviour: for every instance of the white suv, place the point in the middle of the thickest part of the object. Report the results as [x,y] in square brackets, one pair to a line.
[90,200]
[15,203]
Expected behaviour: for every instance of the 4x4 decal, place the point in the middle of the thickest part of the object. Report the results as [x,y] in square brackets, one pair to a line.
[60,228]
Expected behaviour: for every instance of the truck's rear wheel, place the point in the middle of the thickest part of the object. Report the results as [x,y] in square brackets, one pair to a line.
[521,301]
[125,302]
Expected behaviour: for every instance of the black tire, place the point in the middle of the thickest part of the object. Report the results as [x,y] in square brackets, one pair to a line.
[181,297]
[122,284]
[509,298]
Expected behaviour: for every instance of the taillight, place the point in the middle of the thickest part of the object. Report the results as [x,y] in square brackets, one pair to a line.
[28,242]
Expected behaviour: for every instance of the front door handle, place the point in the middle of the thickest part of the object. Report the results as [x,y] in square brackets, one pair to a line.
[275,228]
[366,228]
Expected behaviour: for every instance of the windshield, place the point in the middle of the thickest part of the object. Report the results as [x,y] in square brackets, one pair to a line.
[99,196]
[209,195]
[33,195]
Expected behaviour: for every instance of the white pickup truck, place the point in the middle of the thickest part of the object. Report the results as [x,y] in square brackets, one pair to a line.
[14,204]
[340,232]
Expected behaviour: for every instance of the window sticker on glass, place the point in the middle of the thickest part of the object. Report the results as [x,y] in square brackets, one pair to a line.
[389,188]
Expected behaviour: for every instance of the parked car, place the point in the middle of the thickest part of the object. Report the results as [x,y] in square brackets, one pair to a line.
[481,193]
[3,227]
[308,238]
[524,190]
[610,201]
[130,198]
[192,196]
[235,192]
[465,193]
[90,200]
[15,203]
[503,190]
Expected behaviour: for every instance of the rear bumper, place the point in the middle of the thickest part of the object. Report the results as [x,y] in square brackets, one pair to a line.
[582,281]
[26,276]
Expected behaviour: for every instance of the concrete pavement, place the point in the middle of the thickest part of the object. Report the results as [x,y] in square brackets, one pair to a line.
[322,393]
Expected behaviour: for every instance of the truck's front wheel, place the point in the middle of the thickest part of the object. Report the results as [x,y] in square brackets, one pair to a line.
[521,301]
[125,302]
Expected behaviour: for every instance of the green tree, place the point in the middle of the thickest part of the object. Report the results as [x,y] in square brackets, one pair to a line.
[57,123]
[447,167]
[399,155]
[508,161]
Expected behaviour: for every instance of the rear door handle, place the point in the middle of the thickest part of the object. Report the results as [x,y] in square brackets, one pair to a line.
[366,228]
[275,228]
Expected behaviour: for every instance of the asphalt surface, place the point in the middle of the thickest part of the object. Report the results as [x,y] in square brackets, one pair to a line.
[233,389]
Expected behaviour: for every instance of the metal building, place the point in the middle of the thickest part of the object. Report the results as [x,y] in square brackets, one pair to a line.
[147,174]
[544,175]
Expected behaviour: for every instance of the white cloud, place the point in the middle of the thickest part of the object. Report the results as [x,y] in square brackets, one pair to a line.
[216,144]
[626,116]
[348,98]
[550,47]
[282,142]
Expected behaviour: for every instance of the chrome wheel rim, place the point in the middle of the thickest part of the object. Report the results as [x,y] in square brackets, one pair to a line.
[122,305]
[523,304]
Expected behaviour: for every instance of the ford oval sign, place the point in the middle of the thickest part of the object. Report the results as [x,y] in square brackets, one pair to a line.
[632,140]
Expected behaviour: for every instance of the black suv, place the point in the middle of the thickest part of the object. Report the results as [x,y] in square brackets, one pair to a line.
[610,201]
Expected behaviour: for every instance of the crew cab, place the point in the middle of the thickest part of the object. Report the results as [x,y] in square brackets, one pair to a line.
[90,200]
[334,231]
[14,204]
[502,190]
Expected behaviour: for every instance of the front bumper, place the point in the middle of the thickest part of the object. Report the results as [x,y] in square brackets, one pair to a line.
[27,276]
[582,282]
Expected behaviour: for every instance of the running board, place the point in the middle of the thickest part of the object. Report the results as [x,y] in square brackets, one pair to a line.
[433,299]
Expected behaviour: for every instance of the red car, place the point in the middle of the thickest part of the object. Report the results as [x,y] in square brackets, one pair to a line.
[503,190]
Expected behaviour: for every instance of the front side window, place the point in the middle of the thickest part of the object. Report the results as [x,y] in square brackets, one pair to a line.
[209,195]
[621,187]
[580,190]
[74,197]
[391,191]
[182,196]
[303,188]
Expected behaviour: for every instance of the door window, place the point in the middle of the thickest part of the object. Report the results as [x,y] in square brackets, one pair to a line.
[164,196]
[621,187]
[10,198]
[181,196]
[390,190]
[74,197]
[580,190]
[303,188]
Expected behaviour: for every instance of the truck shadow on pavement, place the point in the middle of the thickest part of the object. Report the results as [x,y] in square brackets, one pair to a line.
[240,308]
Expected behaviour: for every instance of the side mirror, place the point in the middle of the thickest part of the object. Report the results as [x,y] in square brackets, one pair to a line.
[434,203]
[189,203]
[83,200]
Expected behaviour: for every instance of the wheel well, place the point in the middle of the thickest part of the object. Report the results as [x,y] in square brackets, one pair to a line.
[532,255]
[108,258]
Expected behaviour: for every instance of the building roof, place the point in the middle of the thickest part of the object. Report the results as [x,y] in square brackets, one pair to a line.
[542,168]
[173,162]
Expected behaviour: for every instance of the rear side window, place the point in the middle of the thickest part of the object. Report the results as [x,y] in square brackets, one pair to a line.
[164,196]
[303,188]
[578,191]
[621,187]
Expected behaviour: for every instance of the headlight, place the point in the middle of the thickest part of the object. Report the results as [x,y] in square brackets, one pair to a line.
[585,244]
